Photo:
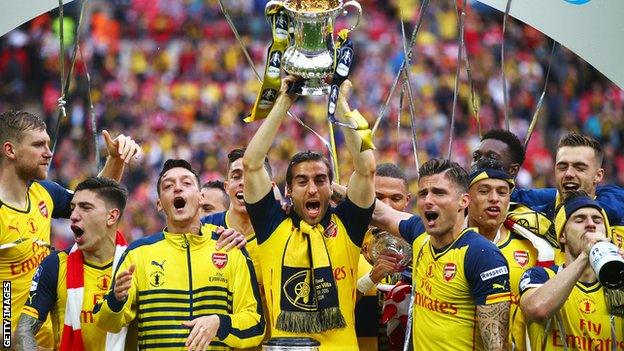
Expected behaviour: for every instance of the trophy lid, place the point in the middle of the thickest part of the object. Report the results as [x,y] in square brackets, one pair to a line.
[312,6]
[292,341]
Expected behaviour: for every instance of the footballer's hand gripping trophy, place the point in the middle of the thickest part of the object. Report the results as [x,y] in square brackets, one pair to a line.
[377,242]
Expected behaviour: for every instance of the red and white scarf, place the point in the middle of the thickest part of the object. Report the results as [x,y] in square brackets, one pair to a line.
[72,336]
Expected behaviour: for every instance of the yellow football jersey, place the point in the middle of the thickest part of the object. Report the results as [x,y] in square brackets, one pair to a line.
[520,256]
[342,240]
[220,219]
[24,243]
[582,323]
[449,284]
[50,296]
[180,277]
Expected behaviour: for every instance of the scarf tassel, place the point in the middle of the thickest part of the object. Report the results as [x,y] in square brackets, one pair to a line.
[311,322]
[615,301]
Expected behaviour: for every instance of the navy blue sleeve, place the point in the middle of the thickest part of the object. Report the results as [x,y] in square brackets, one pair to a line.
[411,228]
[355,219]
[42,295]
[265,215]
[611,199]
[533,278]
[534,197]
[61,198]
[217,219]
[486,270]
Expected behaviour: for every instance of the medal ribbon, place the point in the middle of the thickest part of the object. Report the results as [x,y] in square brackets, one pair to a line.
[343,58]
[272,70]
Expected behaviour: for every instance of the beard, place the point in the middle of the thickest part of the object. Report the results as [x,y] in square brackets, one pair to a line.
[32,172]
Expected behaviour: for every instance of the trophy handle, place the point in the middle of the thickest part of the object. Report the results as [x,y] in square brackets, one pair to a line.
[273,3]
[359,12]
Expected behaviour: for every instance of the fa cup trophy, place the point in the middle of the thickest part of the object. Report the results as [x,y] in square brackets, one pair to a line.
[377,242]
[311,57]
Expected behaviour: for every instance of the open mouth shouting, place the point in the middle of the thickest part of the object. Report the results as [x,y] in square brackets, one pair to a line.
[313,208]
[179,203]
[431,217]
[240,197]
[78,233]
[570,186]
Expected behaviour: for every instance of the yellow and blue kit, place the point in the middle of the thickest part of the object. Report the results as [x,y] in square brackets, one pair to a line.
[520,256]
[448,285]
[25,235]
[48,295]
[180,277]
[582,323]
[220,219]
[343,240]
[609,197]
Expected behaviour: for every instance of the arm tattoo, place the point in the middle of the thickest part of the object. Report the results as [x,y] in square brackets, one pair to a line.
[26,329]
[494,325]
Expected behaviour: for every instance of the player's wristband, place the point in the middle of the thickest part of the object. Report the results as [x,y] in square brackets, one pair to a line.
[365,283]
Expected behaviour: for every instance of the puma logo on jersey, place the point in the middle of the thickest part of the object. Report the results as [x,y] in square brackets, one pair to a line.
[498,286]
[159,265]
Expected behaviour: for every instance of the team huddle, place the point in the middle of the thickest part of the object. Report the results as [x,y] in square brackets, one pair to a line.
[238,263]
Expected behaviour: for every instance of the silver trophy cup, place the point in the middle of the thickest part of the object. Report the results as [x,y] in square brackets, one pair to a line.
[310,57]
[377,242]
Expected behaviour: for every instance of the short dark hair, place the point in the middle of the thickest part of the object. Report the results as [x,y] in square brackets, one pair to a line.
[13,124]
[175,163]
[515,146]
[214,184]
[239,153]
[392,171]
[452,170]
[217,184]
[109,190]
[306,156]
[575,140]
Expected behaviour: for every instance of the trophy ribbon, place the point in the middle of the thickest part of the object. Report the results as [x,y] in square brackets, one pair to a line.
[280,23]
[343,58]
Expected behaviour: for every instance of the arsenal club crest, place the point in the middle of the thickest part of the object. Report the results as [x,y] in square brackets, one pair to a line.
[449,271]
[522,257]
[219,259]
[331,231]
[43,209]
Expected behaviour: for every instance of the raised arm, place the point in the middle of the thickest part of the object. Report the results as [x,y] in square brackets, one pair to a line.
[387,218]
[361,188]
[121,150]
[257,180]
[542,297]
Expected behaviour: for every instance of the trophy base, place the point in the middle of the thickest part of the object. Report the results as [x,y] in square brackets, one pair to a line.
[314,87]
